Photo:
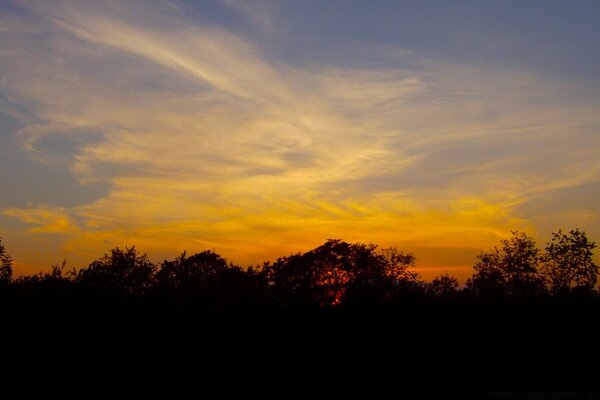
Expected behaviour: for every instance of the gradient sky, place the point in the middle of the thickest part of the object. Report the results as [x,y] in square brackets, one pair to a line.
[261,128]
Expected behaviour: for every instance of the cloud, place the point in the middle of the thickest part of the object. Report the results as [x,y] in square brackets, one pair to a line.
[207,142]
[47,219]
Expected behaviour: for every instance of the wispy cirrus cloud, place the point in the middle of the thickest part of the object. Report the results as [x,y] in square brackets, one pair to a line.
[206,141]
[45,219]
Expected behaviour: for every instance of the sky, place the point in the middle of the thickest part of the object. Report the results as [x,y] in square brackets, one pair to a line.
[262,128]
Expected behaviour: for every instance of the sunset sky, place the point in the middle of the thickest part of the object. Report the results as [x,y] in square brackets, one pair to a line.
[261,128]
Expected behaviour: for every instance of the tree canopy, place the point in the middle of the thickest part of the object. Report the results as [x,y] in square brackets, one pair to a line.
[5,265]
[511,269]
[568,265]
[337,275]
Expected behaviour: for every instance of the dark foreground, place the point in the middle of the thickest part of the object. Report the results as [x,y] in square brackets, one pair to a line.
[340,320]
[480,349]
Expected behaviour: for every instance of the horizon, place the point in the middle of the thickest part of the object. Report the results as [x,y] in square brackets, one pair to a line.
[427,273]
[260,129]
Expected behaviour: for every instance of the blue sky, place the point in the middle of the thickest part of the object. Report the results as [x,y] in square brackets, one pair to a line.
[434,126]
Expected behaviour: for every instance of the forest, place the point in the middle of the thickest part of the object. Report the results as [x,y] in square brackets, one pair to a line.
[337,279]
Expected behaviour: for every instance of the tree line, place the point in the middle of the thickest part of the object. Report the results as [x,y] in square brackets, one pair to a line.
[335,277]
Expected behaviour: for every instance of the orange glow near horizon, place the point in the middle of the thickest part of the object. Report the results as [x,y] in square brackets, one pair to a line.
[442,241]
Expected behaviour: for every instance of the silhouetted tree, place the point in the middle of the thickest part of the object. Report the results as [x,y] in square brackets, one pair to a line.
[568,264]
[191,273]
[121,271]
[443,286]
[511,269]
[338,266]
[339,272]
[383,278]
[5,265]
[316,277]
[205,283]
[335,279]
[396,270]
